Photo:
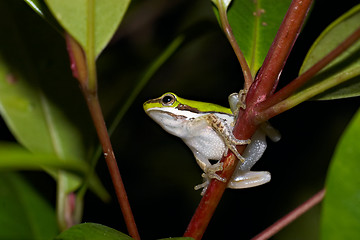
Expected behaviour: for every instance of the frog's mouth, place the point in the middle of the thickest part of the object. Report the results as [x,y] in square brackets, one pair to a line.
[151,112]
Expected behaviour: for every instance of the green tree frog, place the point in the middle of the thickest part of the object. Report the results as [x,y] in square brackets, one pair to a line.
[206,129]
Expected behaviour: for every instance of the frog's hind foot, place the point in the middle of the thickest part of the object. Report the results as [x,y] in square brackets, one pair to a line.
[249,179]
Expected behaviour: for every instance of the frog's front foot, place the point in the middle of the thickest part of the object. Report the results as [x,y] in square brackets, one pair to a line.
[203,185]
[210,173]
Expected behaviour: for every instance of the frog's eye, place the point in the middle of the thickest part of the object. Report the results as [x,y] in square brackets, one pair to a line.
[168,100]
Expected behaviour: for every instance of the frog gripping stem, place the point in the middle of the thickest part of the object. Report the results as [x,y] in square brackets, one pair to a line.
[224,131]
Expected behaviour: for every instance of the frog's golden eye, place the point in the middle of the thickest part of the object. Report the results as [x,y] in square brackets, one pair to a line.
[168,99]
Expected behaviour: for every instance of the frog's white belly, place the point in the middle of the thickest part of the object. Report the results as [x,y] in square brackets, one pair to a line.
[206,143]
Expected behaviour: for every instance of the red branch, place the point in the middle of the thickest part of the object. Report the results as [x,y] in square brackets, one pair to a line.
[79,69]
[267,79]
[304,78]
[263,86]
[290,217]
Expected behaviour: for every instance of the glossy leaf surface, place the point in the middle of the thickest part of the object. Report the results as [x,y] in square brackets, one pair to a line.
[24,214]
[39,101]
[15,157]
[254,24]
[347,65]
[341,214]
[92,231]
[76,18]
[40,8]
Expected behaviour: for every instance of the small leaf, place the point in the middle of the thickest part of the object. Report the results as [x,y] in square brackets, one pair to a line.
[254,24]
[341,213]
[346,67]
[74,17]
[15,157]
[24,214]
[92,231]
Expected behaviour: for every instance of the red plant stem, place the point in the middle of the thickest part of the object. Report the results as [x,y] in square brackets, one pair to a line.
[96,114]
[78,67]
[290,217]
[267,79]
[305,77]
[214,192]
[209,201]
[245,126]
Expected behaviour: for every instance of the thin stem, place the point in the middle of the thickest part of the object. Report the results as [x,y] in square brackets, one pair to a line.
[310,92]
[268,76]
[97,116]
[289,89]
[290,217]
[230,36]
[78,65]
[210,200]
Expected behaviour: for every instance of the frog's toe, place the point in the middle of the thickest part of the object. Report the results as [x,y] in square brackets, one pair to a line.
[203,185]
[249,179]
[211,170]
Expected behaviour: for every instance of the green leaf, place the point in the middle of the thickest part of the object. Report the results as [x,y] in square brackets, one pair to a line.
[39,100]
[24,214]
[92,231]
[15,157]
[341,212]
[254,24]
[35,101]
[76,18]
[345,68]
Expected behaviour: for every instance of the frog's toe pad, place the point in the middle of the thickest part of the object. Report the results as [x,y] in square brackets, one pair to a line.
[210,171]
[249,179]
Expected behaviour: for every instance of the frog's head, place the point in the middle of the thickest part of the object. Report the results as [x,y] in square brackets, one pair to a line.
[168,112]
[171,111]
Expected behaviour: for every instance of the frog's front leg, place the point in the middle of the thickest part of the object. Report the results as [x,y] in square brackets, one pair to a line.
[236,101]
[225,132]
[209,171]
[208,168]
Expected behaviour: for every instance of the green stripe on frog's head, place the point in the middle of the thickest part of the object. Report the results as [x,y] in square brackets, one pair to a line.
[166,100]
[171,100]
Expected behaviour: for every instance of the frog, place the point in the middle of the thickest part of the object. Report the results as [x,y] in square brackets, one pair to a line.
[206,128]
